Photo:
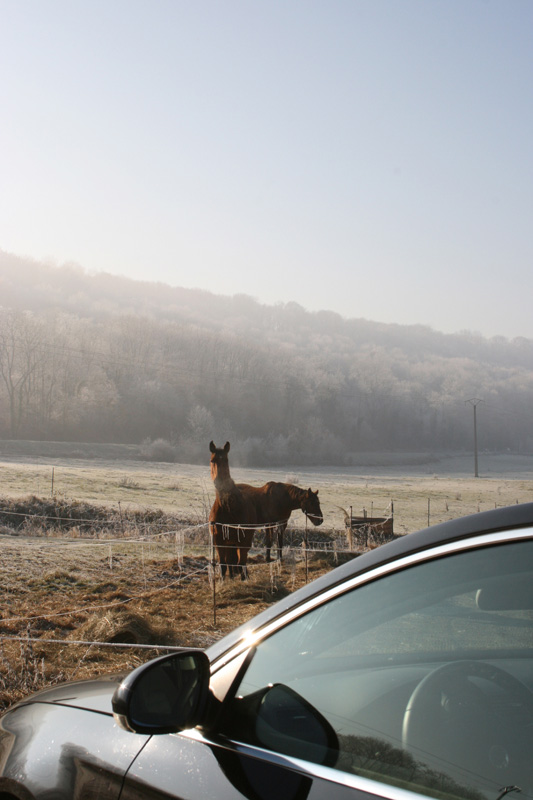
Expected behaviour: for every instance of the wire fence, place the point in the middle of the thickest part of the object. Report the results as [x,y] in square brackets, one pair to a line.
[101,550]
[103,546]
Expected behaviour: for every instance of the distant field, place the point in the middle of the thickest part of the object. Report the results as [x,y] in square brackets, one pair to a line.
[431,489]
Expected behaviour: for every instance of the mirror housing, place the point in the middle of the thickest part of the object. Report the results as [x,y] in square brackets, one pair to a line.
[166,695]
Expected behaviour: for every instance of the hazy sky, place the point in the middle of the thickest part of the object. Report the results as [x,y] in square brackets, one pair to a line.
[371,157]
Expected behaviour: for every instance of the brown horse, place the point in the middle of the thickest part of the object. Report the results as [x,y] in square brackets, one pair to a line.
[240,508]
[232,517]
[274,502]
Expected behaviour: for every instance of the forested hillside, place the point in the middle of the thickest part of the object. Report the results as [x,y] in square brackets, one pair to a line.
[107,359]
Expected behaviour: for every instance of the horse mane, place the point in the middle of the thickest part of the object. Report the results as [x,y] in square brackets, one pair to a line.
[295,492]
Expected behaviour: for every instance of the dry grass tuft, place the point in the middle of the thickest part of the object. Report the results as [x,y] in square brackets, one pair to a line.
[128,483]
[121,626]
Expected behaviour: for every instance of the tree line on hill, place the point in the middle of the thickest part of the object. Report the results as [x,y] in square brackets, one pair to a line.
[107,359]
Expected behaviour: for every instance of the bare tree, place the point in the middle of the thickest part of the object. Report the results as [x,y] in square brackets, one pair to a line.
[20,355]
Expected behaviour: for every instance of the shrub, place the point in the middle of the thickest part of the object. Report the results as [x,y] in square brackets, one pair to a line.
[158,450]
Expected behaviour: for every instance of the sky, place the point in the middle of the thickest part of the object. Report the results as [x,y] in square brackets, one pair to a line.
[368,157]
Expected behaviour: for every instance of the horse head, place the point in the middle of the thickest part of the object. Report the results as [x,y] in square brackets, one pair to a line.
[219,461]
[311,507]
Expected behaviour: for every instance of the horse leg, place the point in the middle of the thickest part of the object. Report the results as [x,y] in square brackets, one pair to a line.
[243,570]
[232,552]
[225,559]
[268,541]
[281,531]
[227,568]
[247,536]
[225,563]
[233,567]
[242,558]
[231,559]
[217,540]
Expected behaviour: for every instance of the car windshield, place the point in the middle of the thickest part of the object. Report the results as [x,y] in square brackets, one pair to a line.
[422,676]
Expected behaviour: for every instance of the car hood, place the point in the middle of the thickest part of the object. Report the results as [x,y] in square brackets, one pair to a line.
[93,695]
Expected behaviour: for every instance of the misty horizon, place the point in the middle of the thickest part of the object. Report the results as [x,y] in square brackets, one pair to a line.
[102,276]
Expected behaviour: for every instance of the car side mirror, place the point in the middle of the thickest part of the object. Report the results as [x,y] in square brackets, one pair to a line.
[166,695]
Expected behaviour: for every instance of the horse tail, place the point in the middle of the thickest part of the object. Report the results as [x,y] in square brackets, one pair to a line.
[347,518]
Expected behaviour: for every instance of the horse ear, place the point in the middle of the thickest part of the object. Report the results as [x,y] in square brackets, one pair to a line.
[226,447]
[212,447]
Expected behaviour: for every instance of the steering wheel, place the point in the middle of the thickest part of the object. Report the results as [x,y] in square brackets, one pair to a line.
[455,726]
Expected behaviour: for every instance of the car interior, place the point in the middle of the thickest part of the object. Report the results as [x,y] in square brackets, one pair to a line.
[421,678]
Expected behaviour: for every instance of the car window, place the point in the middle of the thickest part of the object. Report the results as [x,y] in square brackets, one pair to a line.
[422,678]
